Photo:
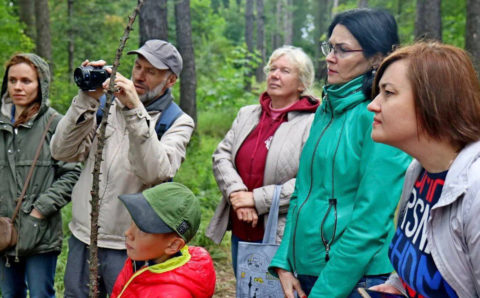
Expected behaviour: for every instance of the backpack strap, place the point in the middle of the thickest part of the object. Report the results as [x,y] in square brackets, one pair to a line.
[99,114]
[168,116]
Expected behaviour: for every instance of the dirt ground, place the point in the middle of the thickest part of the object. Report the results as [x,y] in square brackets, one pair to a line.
[225,286]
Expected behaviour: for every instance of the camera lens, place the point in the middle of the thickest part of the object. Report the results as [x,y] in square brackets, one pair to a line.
[89,77]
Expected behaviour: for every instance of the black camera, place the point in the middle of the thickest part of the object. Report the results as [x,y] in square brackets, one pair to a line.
[90,77]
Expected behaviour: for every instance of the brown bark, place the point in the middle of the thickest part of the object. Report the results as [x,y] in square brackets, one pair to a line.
[428,22]
[26,11]
[322,20]
[334,7]
[362,3]
[95,202]
[188,78]
[288,22]
[43,35]
[472,32]
[71,44]
[277,37]
[259,74]
[153,21]
[249,25]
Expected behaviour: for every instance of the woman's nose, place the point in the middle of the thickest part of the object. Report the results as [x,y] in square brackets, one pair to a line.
[331,58]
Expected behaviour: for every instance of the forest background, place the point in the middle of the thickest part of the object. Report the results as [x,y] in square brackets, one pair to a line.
[224,44]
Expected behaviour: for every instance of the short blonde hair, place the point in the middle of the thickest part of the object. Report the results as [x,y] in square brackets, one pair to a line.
[301,60]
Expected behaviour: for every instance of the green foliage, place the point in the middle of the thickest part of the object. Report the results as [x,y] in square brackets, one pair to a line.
[196,171]
[12,38]
[97,26]
[453,22]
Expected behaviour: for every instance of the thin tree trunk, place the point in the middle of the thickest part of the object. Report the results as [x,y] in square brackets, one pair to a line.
[472,32]
[249,25]
[428,22]
[188,81]
[321,19]
[334,8]
[288,22]
[259,74]
[362,3]
[277,35]
[43,36]
[71,45]
[26,11]
[153,21]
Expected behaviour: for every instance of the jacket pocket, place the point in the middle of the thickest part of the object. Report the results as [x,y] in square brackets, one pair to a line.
[31,231]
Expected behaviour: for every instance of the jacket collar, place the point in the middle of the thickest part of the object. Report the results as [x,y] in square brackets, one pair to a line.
[161,103]
[456,182]
[342,97]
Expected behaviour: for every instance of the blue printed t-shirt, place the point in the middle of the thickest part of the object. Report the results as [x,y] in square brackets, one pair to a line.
[409,252]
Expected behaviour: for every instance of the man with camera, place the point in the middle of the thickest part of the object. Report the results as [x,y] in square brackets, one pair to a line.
[134,156]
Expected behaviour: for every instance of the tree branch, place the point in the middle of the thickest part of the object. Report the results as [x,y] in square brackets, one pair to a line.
[95,202]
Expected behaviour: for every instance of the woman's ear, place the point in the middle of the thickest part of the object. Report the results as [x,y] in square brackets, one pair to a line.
[376,60]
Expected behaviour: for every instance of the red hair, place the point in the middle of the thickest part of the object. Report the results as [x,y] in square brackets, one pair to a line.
[445,88]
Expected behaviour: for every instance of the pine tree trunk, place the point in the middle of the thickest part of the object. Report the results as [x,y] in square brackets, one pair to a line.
[288,23]
[26,11]
[428,22]
[322,20]
[188,81]
[334,8]
[259,74]
[153,21]
[277,35]
[43,36]
[71,45]
[362,3]
[472,32]
[249,25]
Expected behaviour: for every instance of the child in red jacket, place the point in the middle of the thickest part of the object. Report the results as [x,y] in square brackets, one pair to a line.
[159,263]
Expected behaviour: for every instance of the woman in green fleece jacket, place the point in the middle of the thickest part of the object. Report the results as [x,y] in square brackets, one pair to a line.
[340,219]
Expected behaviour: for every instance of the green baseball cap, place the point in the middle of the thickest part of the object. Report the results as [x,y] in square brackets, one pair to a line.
[165,208]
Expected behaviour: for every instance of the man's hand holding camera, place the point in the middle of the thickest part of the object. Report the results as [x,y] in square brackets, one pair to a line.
[91,79]
[125,91]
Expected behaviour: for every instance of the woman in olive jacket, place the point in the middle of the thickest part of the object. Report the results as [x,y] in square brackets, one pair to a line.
[24,114]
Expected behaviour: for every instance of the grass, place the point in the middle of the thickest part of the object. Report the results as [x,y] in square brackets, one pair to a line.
[196,173]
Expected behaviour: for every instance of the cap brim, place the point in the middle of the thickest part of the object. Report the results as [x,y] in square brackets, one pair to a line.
[150,58]
[143,214]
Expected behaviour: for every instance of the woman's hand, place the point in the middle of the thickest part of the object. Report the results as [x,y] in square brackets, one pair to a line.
[289,283]
[241,199]
[248,215]
[386,289]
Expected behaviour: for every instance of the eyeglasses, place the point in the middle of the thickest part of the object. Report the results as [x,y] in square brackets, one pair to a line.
[338,50]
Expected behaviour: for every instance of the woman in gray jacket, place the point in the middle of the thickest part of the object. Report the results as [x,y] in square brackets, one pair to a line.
[262,149]
[428,105]
[31,263]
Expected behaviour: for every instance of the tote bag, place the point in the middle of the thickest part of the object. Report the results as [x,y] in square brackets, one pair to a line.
[253,259]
